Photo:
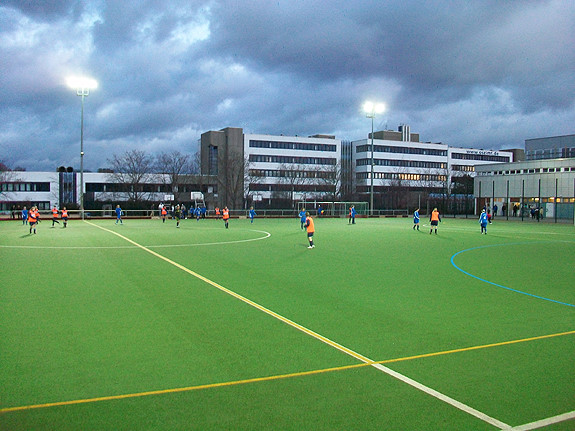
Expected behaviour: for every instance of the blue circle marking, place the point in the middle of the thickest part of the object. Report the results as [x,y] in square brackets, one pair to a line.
[500,285]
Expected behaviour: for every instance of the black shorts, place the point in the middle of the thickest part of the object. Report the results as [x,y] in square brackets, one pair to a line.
[434,223]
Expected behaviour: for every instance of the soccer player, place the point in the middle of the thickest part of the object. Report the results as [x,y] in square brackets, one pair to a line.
[55,214]
[217,213]
[226,216]
[302,217]
[178,214]
[119,215]
[33,218]
[416,219]
[435,218]
[483,222]
[164,214]
[310,229]
[65,216]
[252,214]
[352,214]
[24,216]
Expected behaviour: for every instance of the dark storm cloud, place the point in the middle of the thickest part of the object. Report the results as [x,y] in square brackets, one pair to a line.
[46,10]
[436,50]
[483,74]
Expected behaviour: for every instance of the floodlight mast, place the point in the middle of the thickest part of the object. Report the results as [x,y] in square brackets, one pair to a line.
[371,109]
[82,87]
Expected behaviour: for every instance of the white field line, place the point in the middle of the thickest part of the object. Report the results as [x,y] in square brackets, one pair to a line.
[545,422]
[120,247]
[465,408]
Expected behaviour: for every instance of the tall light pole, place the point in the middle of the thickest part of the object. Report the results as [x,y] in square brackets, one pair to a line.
[82,87]
[371,109]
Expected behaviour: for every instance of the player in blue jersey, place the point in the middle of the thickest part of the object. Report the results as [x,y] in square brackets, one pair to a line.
[352,214]
[252,214]
[416,219]
[483,220]
[119,215]
[302,218]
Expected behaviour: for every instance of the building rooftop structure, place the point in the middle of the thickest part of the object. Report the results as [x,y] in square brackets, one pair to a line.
[554,147]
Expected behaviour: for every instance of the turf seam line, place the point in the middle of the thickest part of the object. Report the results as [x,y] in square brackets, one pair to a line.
[463,407]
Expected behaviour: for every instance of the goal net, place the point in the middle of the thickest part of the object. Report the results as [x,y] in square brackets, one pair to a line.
[334,209]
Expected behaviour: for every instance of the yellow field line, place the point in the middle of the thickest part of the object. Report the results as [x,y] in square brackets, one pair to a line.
[277,377]
[484,346]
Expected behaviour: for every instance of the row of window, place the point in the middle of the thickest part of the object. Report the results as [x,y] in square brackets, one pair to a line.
[550,153]
[17,207]
[530,171]
[293,146]
[262,158]
[400,176]
[25,187]
[290,173]
[482,157]
[402,163]
[401,150]
[300,188]
[146,188]
[463,168]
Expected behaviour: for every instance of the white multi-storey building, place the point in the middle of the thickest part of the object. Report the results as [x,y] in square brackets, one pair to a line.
[291,166]
[268,167]
[399,159]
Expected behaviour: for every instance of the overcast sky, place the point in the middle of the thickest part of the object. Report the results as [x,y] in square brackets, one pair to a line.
[481,74]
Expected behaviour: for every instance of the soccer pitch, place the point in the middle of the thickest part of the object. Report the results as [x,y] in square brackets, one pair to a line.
[145,326]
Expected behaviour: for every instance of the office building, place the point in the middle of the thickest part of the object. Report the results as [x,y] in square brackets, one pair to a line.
[274,170]
[402,166]
[556,147]
[547,186]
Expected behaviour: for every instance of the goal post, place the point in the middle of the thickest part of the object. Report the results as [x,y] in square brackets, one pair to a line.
[333,209]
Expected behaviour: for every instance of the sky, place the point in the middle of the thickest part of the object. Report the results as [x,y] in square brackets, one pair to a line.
[481,74]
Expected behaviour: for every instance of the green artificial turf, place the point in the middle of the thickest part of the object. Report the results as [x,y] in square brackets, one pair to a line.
[251,324]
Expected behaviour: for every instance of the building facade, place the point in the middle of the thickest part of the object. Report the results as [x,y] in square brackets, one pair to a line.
[48,189]
[239,170]
[546,186]
[399,165]
[550,148]
[274,170]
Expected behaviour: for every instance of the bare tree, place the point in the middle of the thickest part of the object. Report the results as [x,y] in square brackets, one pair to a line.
[294,176]
[231,184]
[398,189]
[330,177]
[134,170]
[7,175]
[177,168]
[251,177]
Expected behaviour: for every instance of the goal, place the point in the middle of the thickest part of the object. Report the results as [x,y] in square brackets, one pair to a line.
[334,209]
